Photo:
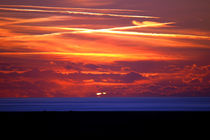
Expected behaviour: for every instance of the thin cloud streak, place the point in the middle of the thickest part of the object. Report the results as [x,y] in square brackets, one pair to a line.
[33,20]
[148,34]
[111,31]
[64,8]
[76,12]
[122,56]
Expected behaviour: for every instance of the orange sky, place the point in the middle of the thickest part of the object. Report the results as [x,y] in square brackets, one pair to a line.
[77,48]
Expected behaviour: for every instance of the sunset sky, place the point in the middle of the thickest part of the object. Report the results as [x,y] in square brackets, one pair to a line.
[124,48]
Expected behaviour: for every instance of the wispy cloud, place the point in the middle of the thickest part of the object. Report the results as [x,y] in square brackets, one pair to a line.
[72,8]
[91,2]
[33,20]
[151,24]
[75,12]
[112,30]
[149,34]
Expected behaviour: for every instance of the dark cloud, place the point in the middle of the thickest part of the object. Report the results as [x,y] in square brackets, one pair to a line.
[92,66]
[132,77]
[110,78]
[51,75]
[154,66]
[29,89]
[37,83]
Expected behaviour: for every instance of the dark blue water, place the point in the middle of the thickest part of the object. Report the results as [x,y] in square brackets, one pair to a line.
[105,104]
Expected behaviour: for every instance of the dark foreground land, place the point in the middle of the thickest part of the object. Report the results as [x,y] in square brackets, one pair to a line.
[149,124]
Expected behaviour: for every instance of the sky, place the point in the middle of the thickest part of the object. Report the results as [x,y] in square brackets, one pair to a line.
[109,48]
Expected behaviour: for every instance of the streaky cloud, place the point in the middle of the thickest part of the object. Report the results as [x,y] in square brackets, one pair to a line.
[33,20]
[76,12]
[72,8]
[151,23]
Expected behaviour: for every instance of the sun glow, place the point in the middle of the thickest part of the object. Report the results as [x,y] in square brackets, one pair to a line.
[101,93]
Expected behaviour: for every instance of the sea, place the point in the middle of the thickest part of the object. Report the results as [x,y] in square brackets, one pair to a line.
[105,104]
